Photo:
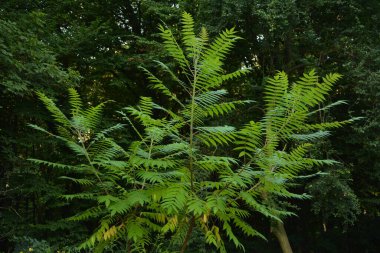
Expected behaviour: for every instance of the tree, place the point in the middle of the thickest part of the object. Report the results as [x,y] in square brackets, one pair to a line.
[170,182]
[172,178]
[27,64]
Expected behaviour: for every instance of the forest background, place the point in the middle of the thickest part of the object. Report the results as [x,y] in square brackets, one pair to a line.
[97,47]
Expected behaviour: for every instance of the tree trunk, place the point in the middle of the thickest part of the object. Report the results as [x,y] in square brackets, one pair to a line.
[278,229]
[188,235]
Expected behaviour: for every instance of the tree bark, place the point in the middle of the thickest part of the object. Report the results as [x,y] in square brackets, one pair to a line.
[278,229]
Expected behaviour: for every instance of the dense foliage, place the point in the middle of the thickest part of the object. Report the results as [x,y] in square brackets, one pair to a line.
[200,162]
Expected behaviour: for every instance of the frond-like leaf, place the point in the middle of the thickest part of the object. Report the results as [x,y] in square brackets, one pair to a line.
[75,101]
[173,48]
[58,115]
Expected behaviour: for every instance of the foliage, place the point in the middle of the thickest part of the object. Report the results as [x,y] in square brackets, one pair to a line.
[277,147]
[164,181]
[338,36]
[171,180]
[44,45]
[27,244]
[327,190]
[27,64]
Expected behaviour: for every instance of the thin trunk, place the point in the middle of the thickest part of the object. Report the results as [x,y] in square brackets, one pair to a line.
[188,235]
[278,229]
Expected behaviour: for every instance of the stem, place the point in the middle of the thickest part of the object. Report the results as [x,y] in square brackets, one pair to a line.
[192,124]
[81,138]
[188,234]
[279,231]
[191,142]
[149,155]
